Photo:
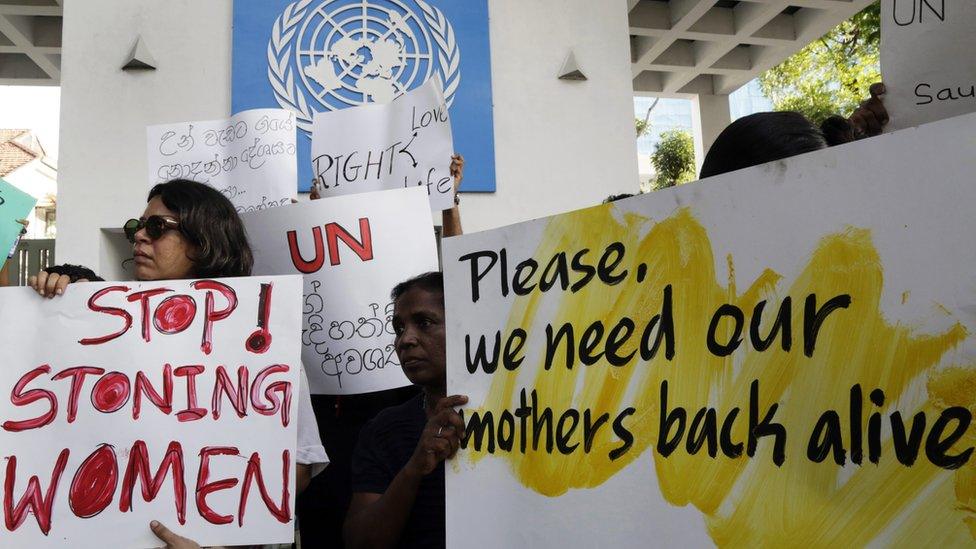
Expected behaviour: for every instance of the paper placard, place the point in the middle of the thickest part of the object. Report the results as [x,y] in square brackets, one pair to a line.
[406,143]
[927,60]
[130,402]
[249,157]
[783,354]
[351,250]
[14,204]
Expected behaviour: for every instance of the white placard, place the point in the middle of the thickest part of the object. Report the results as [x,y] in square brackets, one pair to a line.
[406,143]
[130,402]
[249,157]
[725,363]
[927,60]
[351,250]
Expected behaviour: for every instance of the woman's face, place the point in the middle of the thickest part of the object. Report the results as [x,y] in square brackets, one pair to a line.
[165,258]
[418,321]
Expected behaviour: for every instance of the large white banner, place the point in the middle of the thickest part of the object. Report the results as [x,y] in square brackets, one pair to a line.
[781,355]
[351,250]
[128,402]
[249,157]
[927,60]
[406,143]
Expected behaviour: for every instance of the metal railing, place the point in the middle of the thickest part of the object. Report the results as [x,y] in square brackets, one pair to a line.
[31,256]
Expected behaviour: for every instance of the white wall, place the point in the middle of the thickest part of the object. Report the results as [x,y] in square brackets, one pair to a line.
[559,145]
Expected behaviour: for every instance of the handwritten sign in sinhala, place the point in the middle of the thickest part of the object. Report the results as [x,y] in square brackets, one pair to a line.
[406,143]
[15,204]
[927,60]
[250,157]
[172,401]
[351,251]
[780,355]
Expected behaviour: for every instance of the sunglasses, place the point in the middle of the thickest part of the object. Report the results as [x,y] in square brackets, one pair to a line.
[155,226]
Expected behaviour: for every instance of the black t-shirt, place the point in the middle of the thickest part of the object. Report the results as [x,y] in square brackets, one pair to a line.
[385,446]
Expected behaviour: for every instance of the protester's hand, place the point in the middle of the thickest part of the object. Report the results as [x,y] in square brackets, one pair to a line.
[870,118]
[457,170]
[171,540]
[441,437]
[315,193]
[50,284]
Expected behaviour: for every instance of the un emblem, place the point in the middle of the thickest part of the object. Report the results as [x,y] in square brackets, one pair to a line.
[343,53]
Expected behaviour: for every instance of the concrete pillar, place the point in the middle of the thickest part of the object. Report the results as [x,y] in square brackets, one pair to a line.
[709,116]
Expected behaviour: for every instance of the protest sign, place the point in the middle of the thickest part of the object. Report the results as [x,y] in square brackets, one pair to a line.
[780,355]
[130,402]
[405,143]
[249,157]
[351,250]
[15,204]
[927,63]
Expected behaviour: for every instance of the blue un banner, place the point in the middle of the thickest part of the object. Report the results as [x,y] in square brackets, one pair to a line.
[321,55]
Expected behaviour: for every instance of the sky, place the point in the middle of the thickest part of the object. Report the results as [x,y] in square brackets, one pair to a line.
[35,108]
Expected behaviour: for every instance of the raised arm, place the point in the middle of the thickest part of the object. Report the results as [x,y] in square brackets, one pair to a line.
[451,219]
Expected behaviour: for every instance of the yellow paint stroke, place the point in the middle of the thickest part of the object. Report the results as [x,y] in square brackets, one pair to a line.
[749,502]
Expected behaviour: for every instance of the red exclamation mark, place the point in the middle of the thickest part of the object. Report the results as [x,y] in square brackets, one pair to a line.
[259,341]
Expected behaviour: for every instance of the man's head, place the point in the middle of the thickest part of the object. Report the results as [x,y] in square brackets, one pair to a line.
[418,322]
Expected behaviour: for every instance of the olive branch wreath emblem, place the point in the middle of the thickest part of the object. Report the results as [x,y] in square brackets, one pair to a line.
[282,75]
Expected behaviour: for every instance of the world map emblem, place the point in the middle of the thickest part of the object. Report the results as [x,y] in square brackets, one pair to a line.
[332,54]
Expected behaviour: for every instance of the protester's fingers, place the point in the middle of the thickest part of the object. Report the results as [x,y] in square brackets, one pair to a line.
[876,106]
[872,124]
[162,532]
[450,419]
[455,446]
[876,89]
[38,282]
[450,402]
[441,449]
[860,126]
[51,285]
[172,540]
[62,284]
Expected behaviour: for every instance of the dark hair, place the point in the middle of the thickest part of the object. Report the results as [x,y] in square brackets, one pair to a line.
[74,272]
[432,282]
[837,130]
[759,138]
[616,197]
[209,221]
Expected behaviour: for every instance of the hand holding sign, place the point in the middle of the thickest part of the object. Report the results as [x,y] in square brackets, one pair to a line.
[406,143]
[440,438]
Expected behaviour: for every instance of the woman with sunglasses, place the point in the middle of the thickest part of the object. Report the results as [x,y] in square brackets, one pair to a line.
[191,230]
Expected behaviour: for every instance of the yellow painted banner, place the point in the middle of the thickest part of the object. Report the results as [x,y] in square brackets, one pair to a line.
[780,356]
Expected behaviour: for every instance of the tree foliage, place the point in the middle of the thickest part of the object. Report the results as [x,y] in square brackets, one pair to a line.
[831,75]
[673,159]
[642,127]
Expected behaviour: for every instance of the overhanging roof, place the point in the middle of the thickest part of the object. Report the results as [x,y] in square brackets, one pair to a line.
[30,42]
[691,47]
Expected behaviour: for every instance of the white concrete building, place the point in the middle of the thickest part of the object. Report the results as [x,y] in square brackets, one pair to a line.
[560,144]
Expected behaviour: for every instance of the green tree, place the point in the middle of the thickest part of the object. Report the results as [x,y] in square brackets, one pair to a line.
[642,127]
[673,159]
[831,75]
